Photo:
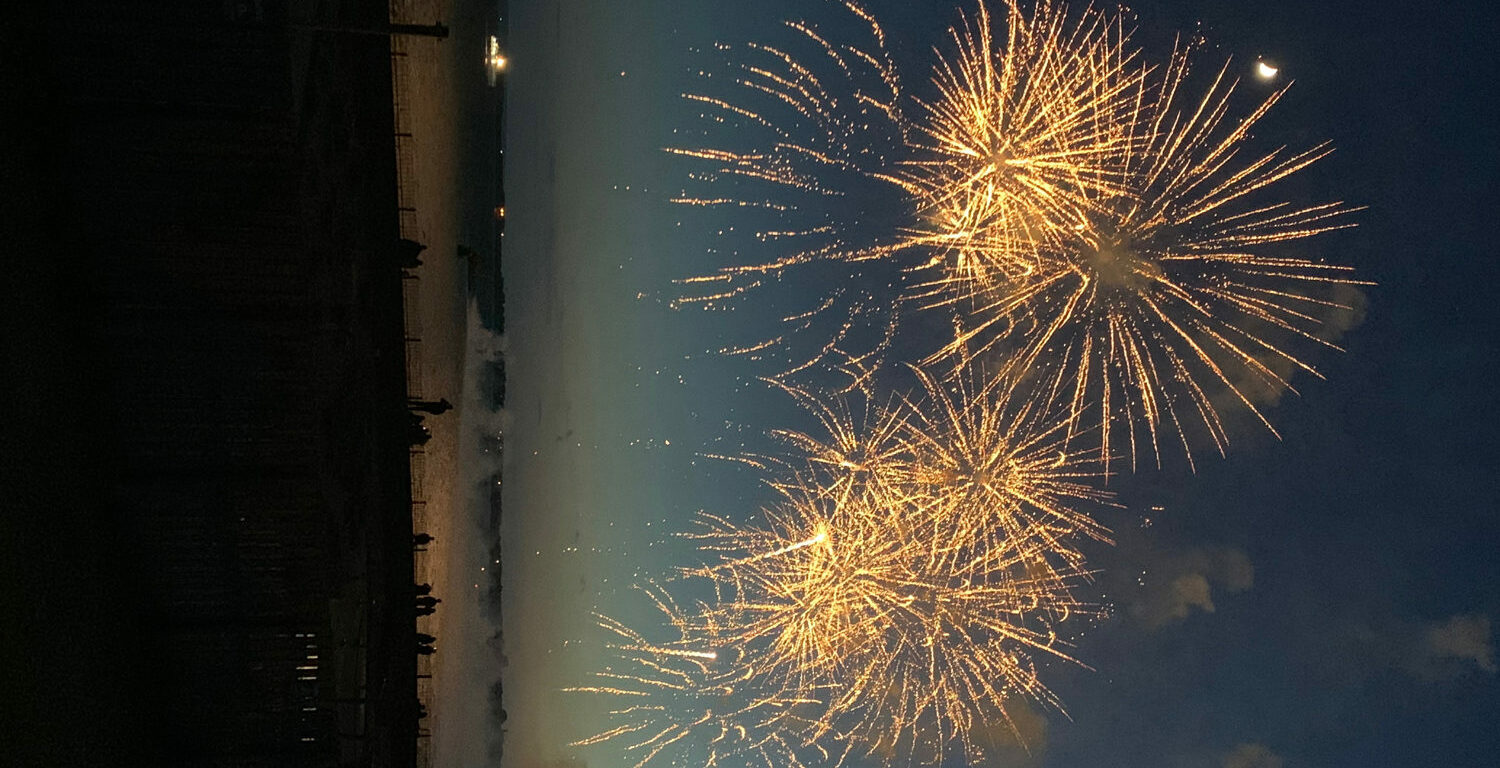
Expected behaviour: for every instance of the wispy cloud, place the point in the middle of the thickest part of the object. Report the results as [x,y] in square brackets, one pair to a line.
[1449,647]
[1428,651]
[1250,755]
[1187,582]
[1016,741]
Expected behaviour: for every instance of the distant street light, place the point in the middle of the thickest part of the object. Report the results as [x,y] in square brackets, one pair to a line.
[494,60]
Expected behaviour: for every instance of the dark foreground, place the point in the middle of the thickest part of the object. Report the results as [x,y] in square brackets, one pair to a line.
[206,530]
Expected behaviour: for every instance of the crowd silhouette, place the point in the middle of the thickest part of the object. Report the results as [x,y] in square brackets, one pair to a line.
[424,603]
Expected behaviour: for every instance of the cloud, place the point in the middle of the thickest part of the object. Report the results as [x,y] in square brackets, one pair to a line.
[1252,756]
[1011,736]
[1019,738]
[1356,649]
[1456,642]
[1186,582]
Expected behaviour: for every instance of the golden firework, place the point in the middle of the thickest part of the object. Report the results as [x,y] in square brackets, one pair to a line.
[922,556]
[1159,301]
[691,700]
[909,632]
[1028,120]
[973,444]
[997,459]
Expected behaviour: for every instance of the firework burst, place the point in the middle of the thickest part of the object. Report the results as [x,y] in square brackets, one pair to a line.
[1028,120]
[920,562]
[896,602]
[1160,301]
[909,632]
[1062,202]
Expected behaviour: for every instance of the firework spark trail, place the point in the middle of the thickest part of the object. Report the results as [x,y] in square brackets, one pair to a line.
[683,705]
[817,125]
[857,449]
[1160,295]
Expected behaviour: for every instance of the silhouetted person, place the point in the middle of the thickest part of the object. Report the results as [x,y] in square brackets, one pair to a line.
[423,589]
[422,539]
[429,600]
[426,610]
[418,435]
[428,406]
[408,253]
[426,650]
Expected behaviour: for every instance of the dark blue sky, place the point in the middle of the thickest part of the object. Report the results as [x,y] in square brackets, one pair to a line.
[1323,600]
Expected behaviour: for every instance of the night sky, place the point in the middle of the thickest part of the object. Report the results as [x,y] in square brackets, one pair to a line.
[1328,599]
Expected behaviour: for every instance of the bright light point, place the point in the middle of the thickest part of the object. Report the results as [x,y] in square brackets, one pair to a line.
[493,57]
[1265,71]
